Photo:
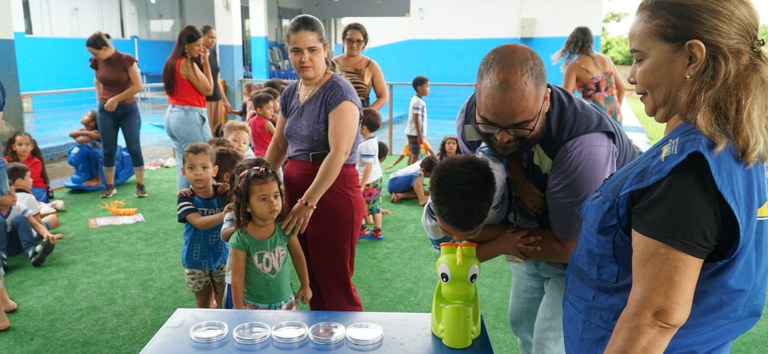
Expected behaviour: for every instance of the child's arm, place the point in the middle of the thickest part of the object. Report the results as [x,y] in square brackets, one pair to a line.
[269,127]
[531,196]
[300,264]
[228,226]
[399,158]
[366,174]
[42,230]
[205,222]
[417,124]
[237,266]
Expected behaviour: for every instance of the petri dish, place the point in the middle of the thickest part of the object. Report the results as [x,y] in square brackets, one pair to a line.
[208,331]
[326,332]
[251,332]
[364,333]
[289,332]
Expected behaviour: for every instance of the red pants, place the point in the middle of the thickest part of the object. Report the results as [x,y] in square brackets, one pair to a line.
[330,239]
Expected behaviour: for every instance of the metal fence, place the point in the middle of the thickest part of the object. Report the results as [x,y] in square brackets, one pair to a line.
[443,104]
[49,116]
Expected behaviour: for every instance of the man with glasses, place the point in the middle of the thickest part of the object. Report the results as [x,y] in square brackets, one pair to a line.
[566,148]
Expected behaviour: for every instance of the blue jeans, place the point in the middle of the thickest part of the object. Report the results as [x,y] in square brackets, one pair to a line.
[536,307]
[19,239]
[127,117]
[185,125]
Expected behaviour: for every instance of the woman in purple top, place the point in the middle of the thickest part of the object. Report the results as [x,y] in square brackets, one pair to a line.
[318,134]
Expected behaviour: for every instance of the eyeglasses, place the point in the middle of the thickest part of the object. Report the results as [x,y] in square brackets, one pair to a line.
[357,42]
[487,127]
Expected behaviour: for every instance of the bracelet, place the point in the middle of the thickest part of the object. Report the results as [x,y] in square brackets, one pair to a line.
[307,204]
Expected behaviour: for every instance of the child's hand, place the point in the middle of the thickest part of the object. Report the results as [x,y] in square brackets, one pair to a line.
[520,242]
[229,207]
[186,192]
[386,211]
[222,188]
[52,238]
[304,294]
[532,197]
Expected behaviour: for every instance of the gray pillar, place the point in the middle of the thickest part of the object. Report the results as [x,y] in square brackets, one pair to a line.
[13,119]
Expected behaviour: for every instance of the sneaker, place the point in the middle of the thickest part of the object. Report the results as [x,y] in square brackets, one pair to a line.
[141,191]
[41,252]
[375,235]
[57,204]
[109,191]
[363,231]
[4,261]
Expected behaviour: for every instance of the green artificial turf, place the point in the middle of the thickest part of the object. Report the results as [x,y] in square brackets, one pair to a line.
[108,290]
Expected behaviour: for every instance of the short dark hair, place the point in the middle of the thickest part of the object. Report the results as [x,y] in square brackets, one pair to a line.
[428,164]
[418,81]
[261,172]
[371,119]
[462,189]
[16,170]
[98,40]
[261,99]
[219,142]
[270,91]
[383,150]
[227,159]
[277,84]
[205,29]
[197,149]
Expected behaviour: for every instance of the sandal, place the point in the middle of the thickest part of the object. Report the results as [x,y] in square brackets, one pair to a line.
[395,198]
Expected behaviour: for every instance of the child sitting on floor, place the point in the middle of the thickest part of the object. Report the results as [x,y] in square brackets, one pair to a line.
[260,278]
[90,131]
[408,183]
[22,148]
[426,150]
[16,236]
[20,179]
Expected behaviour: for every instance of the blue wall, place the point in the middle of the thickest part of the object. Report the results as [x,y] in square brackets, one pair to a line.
[48,63]
[454,60]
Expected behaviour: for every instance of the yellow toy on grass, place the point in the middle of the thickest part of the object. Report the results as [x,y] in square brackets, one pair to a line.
[116,207]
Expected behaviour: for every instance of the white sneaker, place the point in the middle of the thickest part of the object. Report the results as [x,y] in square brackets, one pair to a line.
[171,162]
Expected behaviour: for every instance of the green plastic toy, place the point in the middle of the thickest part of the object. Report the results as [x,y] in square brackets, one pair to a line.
[455,307]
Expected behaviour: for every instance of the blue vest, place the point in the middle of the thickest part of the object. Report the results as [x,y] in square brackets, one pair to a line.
[730,294]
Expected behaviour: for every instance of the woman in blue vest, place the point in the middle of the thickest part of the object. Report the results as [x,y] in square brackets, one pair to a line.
[672,251]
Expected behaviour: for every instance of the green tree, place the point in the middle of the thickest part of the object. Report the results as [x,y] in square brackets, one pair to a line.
[764,32]
[615,47]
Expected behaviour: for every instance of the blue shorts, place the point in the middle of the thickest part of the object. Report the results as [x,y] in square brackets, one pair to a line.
[402,184]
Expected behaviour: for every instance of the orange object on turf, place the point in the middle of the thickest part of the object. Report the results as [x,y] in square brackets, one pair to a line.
[116,208]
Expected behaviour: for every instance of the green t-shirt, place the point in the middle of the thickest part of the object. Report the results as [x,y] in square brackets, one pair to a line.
[267,279]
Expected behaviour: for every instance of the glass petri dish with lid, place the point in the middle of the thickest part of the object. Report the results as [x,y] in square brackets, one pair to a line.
[289,332]
[208,331]
[251,332]
[364,333]
[326,332]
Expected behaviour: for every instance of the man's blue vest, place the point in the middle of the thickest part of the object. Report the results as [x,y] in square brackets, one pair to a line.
[730,294]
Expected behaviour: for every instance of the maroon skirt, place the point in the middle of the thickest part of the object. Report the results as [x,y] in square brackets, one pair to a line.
[330,239]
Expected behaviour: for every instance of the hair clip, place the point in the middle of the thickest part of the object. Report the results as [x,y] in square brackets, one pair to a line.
[252,172]
[757,45]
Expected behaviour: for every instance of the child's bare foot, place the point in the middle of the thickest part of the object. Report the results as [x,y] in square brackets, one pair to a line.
[95,181]
[9,306]
[423,202]
[395,198]
[4,322]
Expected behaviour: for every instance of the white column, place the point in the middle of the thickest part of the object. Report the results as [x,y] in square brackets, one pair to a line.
[228,25]
[11,20]
[259,39]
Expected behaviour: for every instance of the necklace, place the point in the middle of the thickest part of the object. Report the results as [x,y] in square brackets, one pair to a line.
[303,86]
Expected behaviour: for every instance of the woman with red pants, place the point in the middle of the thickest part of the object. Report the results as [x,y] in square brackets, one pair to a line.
[318,135]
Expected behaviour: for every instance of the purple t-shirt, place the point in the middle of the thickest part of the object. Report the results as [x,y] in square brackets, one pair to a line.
[306,126]
[579,167]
